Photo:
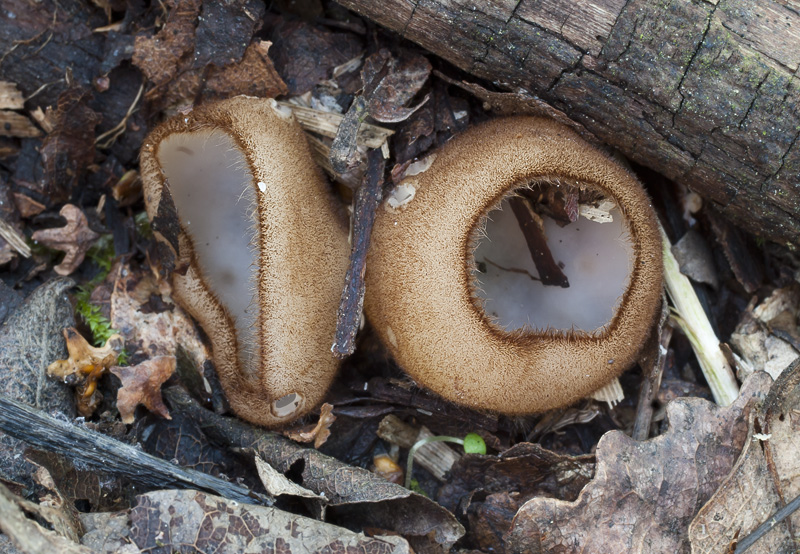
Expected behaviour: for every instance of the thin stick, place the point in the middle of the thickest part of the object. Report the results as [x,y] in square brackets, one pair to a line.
[767,526]
[366,203]
[106,454]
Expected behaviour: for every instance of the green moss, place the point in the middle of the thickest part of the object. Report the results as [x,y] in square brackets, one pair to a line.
[101,253]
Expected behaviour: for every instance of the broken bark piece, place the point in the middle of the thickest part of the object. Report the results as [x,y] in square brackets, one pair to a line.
[741,255]
[74,239]
[343,155]
[69,149]
[10,96]
[13,124]
[533,228]
[436,457]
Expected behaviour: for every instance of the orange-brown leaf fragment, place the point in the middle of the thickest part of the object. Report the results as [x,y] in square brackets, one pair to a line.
[318,433]
[141,384]
[84,366]
[74,239]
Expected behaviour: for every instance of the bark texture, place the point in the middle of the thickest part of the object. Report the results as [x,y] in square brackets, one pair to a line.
[705,92]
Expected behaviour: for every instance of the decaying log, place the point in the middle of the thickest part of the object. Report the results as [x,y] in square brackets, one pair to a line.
[704,92]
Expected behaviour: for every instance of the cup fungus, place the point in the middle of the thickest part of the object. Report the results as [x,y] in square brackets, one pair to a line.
[464,312]
[258,249]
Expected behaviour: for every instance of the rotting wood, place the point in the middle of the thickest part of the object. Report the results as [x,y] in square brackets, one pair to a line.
[106,454]
[703,92]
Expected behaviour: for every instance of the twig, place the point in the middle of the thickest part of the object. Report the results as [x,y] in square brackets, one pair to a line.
[366,203]
[104,453]
[767,526]
[532,227]
[119,128]
[651,381]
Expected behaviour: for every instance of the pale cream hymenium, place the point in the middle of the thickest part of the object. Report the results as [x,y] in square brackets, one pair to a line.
[496,339]
[260,253]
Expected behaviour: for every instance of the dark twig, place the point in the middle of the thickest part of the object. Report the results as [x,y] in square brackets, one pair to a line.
[533,229]
[767,526]
[653,368]
[366,203]
[47,433]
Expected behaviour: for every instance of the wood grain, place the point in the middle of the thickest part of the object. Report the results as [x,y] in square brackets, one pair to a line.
[704,92]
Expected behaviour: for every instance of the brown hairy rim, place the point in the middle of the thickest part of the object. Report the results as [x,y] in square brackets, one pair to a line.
[420,295]
[299,250]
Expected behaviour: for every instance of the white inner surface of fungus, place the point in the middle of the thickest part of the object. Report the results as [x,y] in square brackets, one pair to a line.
[214,194]
[596,258]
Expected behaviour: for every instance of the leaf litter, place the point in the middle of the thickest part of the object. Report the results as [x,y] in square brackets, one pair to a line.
[701,486]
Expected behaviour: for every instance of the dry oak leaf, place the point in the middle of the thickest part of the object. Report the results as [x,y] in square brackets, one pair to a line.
[142,311]
[193,521]
[318,433]
[74,239]
[765,478]
[141,384]
[645,493]
[84,366]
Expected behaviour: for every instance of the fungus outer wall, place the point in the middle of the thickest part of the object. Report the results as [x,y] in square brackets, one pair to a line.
[420,284]
[260,249]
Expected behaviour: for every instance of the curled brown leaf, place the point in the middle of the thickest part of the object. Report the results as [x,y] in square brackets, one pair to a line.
[141,384]
[74,239]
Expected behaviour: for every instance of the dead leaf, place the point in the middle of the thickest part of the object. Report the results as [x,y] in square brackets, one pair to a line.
[68,150]
[254,75]
[27,206]
[142,311]
[497,486]
[200,38]
[390,83]
[765,478]
[74,239]
[158,56]
[305,54]
[645,494]
[84,366]
[318,433]
[192,521]
[767,335]
[278,484]
[357,495]
[141,384]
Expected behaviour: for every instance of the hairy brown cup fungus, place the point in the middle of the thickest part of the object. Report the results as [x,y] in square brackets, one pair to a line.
[258,250]
[455,330]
